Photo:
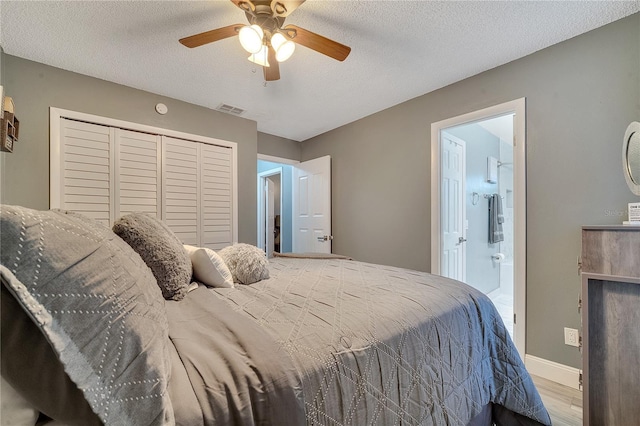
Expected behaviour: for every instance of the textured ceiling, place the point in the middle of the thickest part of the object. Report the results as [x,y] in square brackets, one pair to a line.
[400,50]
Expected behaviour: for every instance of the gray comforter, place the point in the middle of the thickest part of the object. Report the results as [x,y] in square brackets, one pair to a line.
[341,342]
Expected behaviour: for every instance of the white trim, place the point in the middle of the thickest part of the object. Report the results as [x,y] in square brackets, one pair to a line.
[55,158]
[274,159]
[55,114]
[494,293]
[517,107]
[234,189]
[520,223]
[199,207]
[114,175]
[261,219]
[559,373]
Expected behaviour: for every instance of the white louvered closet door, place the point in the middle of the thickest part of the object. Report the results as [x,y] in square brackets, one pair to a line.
[216,176]
[181,186]
[104,171]
[138,173]
[86,169]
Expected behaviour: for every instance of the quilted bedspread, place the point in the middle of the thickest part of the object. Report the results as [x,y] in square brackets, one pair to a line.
[381,345]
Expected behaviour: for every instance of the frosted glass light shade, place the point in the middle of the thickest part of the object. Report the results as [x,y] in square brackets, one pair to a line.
[284,48]
[261,57]
[251,38]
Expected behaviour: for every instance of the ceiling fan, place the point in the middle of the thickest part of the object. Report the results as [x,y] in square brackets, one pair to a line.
[266,39]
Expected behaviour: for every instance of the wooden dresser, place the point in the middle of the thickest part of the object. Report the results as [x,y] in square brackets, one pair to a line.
[611,325]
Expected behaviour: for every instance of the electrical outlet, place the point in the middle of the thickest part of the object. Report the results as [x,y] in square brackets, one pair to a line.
[571,337]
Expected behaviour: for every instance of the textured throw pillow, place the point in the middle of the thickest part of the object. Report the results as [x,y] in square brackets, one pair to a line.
[161,250]
[247,263]
[98,306]
[209,268]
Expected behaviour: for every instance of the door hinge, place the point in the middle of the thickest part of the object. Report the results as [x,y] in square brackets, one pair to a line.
[514,318]
[580,343]
[580,380]
[579,265]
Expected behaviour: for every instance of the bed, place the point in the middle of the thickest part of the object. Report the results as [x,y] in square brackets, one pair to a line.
[88,338]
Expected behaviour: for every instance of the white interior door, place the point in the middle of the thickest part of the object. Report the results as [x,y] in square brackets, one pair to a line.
[270,214]
[453,208]
[312,206]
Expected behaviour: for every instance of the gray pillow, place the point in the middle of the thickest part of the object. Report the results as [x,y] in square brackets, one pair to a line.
[161,250]
[248,264]
[98,306]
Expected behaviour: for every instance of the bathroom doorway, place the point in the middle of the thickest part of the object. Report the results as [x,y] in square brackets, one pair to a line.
[275,176]
[478,200]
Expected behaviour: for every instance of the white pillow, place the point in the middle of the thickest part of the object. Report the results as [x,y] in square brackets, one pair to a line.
[208,267]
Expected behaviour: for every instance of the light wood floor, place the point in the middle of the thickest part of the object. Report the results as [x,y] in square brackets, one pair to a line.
[563,403]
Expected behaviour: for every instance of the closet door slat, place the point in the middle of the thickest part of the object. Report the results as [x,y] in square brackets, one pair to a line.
[217,211]
[180,204]
[138,173]
[87,167]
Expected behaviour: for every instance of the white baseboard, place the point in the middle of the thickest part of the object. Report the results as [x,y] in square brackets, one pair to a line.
[559,373]
[495,293]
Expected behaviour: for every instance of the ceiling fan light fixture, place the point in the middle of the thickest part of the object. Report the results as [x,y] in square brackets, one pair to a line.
[261,57]
[251,38]
[284,48]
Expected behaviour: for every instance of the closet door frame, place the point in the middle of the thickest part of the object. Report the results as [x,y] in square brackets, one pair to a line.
[55,141]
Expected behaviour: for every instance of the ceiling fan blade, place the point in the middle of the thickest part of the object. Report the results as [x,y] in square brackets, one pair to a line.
[317,42]
[283,8]
[272,72]
[211,36]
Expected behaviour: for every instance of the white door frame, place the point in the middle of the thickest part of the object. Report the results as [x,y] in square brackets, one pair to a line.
[280,160]
[262,176]
[517,107]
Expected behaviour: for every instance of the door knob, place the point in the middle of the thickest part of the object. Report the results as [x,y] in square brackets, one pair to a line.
[461,240]
[325,238]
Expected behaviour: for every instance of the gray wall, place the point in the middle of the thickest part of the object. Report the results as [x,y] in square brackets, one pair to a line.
[35,87]
[581,95]
[278,147]
[482,272]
